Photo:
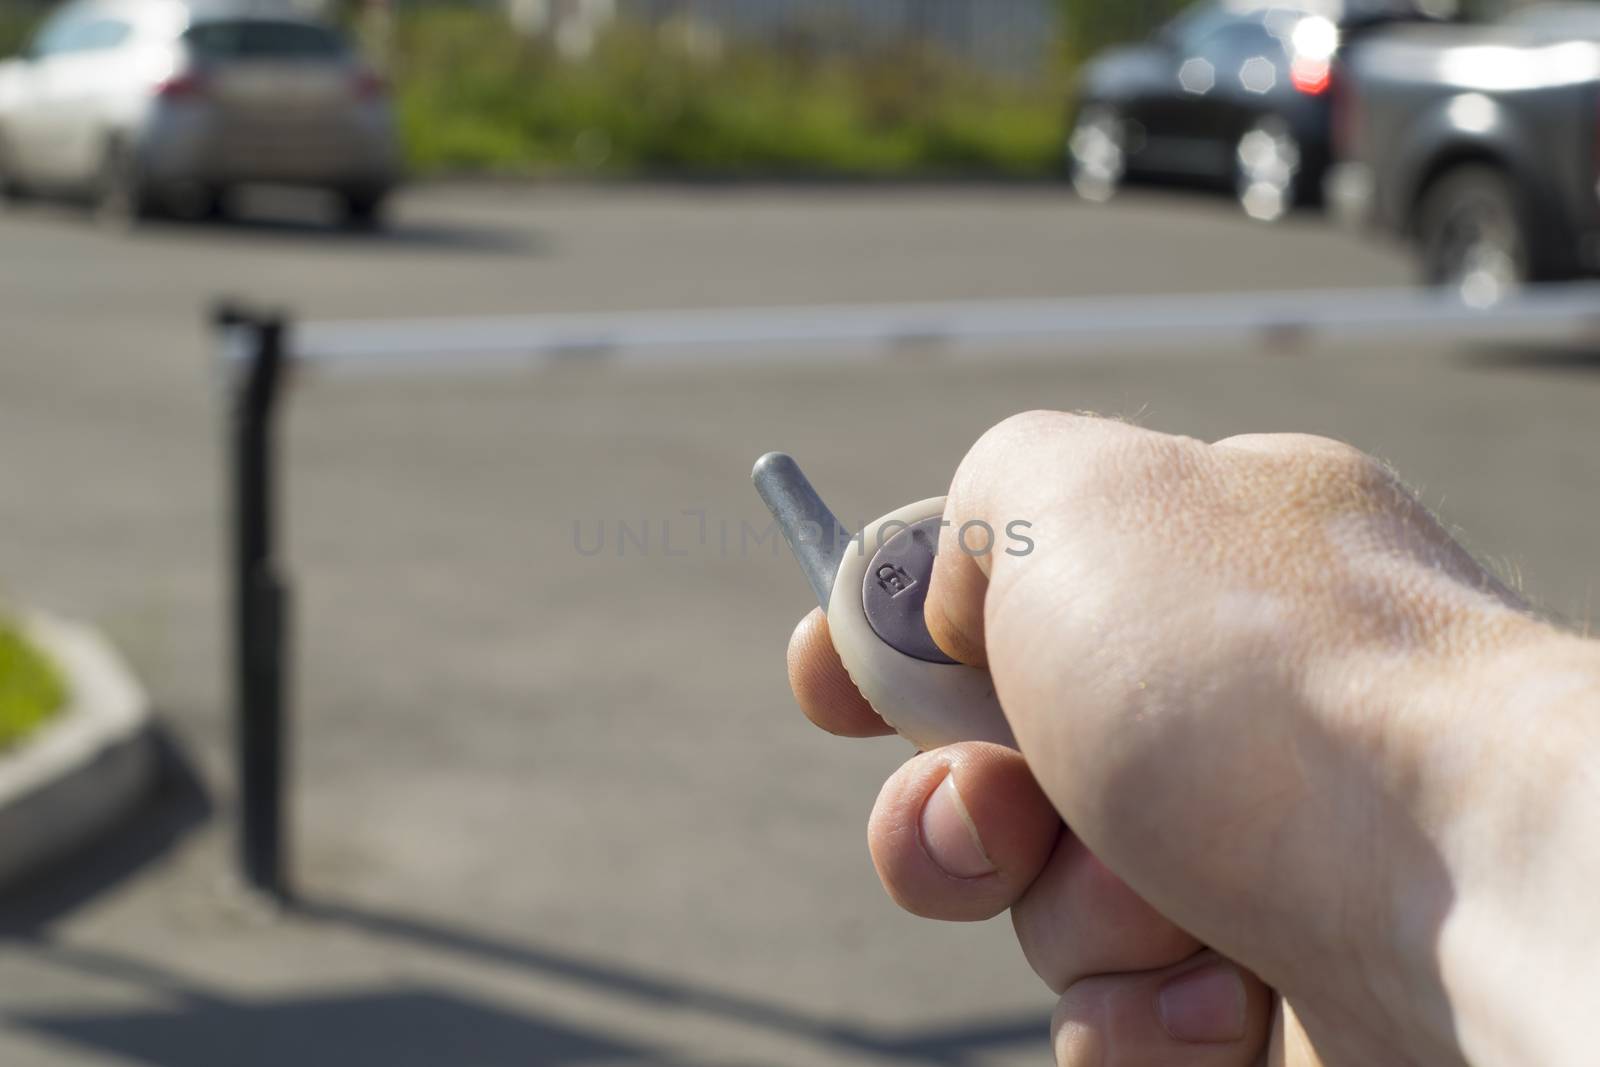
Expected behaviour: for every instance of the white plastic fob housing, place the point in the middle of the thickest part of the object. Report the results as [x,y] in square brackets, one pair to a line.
[931,704]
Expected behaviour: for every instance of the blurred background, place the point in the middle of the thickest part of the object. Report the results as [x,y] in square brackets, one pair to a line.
[549,801]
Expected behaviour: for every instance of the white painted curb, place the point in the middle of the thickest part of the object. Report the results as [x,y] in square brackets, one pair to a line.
[86,768]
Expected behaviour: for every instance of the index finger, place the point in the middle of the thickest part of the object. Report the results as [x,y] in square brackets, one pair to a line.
[1006,484]
[823,687]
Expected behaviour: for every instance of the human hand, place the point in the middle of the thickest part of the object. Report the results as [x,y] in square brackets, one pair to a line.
[1286,718]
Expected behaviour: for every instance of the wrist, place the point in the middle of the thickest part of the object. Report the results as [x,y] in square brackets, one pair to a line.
[1516,949]
[1482,758]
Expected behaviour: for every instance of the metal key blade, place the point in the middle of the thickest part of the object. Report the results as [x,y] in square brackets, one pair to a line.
[814,535]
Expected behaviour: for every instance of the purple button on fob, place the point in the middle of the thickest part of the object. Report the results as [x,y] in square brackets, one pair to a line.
[896,587]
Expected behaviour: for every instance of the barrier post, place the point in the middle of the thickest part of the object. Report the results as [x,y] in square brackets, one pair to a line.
[254,361]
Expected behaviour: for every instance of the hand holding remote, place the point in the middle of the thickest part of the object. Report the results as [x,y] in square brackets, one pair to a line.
[1304,743]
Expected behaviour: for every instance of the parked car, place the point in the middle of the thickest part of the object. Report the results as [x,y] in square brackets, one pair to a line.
[151,105]
[1228,92]
[1481,147]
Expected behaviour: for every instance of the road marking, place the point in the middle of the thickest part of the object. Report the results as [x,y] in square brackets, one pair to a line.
[1086,326]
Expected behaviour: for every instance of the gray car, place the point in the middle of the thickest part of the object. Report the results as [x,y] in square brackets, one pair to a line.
[156,105]
[1479,145]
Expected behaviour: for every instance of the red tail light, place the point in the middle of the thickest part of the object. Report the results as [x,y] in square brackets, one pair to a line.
[1311,76]
[182,87]
[369,85]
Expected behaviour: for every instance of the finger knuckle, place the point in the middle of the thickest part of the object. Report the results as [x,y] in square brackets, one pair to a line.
[1136,466]
[1336,471]
[1332,455]
[1336,454]
[1313,470]
[1043,429]
[1088,447]
[1158,459]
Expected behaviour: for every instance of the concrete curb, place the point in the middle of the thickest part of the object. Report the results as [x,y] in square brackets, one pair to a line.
[87,768]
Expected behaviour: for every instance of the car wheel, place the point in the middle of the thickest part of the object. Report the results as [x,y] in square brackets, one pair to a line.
[364,209]
[194,202]
[11,188]
[1097,155]
[1267,162]
[1473,235]
[121,199]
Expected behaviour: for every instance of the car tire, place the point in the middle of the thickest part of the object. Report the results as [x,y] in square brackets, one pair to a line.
[1268,168]
[11,188]
[1473,234]
[1097,152]
[219,203]
[197,202]
[121,197]
[364,209]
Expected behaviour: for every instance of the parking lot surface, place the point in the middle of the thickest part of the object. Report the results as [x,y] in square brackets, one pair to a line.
[554,805]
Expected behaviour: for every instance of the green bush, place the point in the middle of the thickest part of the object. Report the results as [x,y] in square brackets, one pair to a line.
[16,27]
[475,96]
[30,689]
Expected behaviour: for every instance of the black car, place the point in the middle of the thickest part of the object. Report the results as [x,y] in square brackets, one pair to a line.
[1481,146]
[1232,93]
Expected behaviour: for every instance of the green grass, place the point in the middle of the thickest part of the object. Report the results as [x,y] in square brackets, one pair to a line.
[30,689]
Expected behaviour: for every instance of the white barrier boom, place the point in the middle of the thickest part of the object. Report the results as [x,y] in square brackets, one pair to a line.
[1088,324]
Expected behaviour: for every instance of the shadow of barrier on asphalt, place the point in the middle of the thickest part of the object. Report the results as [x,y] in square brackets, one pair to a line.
[404,1027]
[408,1025]
[951,1045]
[414,1025]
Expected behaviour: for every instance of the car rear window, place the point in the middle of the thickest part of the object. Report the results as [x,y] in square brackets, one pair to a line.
[263,39]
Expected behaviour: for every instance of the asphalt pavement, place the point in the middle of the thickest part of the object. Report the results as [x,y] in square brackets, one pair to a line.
[553,804]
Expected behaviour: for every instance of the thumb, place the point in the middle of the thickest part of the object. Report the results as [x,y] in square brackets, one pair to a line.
[953,611]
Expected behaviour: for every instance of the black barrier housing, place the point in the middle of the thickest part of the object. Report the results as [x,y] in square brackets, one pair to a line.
[255,373]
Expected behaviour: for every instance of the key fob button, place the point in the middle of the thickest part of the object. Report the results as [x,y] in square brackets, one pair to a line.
[895,587]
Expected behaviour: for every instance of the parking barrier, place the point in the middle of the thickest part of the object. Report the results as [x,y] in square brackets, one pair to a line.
[258,348]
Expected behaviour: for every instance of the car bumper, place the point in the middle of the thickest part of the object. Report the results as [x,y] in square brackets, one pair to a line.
[354,147]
